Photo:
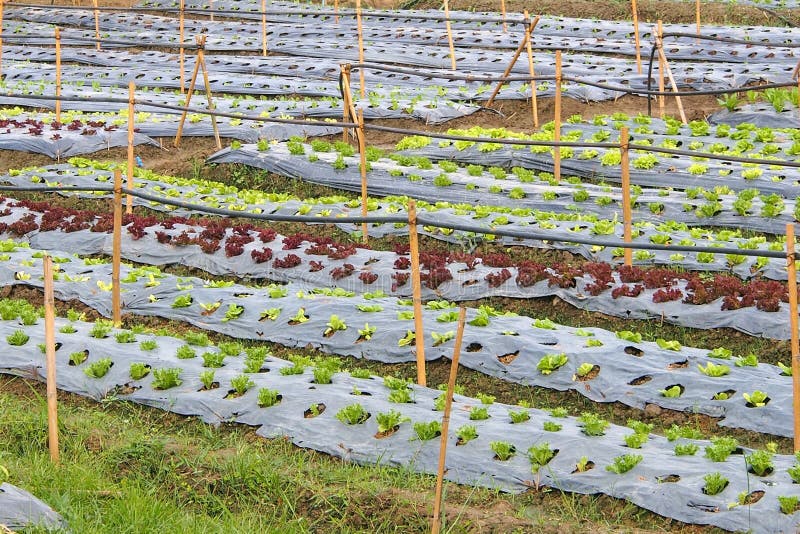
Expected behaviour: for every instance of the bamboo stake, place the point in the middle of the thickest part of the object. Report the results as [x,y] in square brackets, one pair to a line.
[661,68]
[131,119]
[792,287]
[416,283]
[116,250]
[180,38]
[532,72]
[347,99]
[96,24]
[697,17]
[503,11]
[50,355]
[448,406]
[189,93]
[1,37]
[626,193]
[795,74]
[635,11]
[199,65]
[201,58]
[58,74]
[360,48]
[672,82]
[449,34]
[362,152]
[264,28]
[557,119]
[525,38]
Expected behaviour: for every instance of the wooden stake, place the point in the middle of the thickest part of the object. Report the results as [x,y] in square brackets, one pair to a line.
[336,11]
[626,193]
[557,119]
[116,251]
[448,406]
[201,58]
[635,11]
[449,34]
[50,356]
[362,152]
[347,100]
[189,93]
[532,72]
[416,284]
[503,11]
[792,287]
[131,119]
[211,9]
[96,24]
[661,68]
[526,36]
[697,17]
[663,60]
[264,28]
[200,64]
[58,74]
[180,38]
[360,28]
[1,37]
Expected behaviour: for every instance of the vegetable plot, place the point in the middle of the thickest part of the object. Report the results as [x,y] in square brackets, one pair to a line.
[373,326]
[393,423]
[679,297]
[562,225]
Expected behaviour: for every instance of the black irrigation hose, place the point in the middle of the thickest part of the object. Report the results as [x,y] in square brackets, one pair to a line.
[421,220]
[731,40]
[120,42]
[311,13]
[139,102]
[520,78]
[207,209]
[423,133]
[777,15]
[578,144]
[649,92]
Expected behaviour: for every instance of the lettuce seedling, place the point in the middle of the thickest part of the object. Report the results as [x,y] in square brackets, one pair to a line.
[760,462]
[18,338]
[551,362]
[99,369]
[241,384]
[427,431]
[540,455]
[167,378]
[390,420]
[713,370]
[270,397]
[623,464]
[207,379]
[354,414]
[503,450]
[139,370]
[466,433]
[715,483]
[756,399]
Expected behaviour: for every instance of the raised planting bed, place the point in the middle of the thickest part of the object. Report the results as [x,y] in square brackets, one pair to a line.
[363,420]
[517,348]
[202,193]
